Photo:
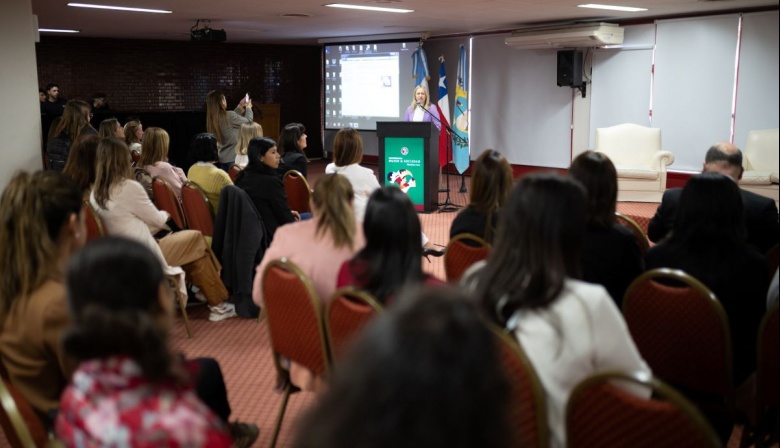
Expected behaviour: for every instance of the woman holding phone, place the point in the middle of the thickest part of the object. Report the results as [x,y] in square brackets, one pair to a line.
[225,124]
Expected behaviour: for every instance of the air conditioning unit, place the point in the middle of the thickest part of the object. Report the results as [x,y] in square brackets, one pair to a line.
[569,36]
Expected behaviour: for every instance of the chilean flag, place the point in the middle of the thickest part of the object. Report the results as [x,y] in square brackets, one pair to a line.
[443,105]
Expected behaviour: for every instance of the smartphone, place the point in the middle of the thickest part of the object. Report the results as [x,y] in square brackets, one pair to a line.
[246,98]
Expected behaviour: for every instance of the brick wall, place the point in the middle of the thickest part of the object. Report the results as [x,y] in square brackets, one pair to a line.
[142,76]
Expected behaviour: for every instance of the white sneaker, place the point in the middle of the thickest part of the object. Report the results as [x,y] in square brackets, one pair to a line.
[222,312]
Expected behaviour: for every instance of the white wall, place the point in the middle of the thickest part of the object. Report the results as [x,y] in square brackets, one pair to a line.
[20,119]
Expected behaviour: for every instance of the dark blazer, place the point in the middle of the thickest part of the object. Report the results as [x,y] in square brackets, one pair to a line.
[471,221]
[611,257]
[266,191]
[760,218]
[293,161]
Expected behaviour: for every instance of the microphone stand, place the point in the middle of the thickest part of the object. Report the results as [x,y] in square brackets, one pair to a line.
[446,206]
[462,175]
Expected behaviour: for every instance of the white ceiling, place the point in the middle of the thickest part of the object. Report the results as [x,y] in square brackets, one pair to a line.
[263,21]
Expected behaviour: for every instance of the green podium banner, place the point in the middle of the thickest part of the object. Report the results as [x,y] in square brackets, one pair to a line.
[404,167]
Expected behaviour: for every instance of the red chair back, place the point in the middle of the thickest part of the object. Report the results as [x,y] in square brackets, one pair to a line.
[768,366]
[233,172]
[599,413]
[637,231]
[463,251]
[95,228]
[347,312]
[20,425]
[197,210]
[681,331]
[165,199]
[298,192]
[528,408]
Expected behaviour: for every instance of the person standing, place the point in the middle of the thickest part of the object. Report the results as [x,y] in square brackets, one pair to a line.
[225,124]
[54,104]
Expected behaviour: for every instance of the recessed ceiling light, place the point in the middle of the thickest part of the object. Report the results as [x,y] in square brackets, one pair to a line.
[119,8]
[56,30]
[368,8]
[613,8]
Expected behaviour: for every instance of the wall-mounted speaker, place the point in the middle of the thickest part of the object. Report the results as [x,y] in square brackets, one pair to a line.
[570,68]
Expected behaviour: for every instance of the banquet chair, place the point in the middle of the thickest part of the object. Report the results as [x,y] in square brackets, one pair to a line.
[95,228]
[639,234]
[298,192]
[233,172]
[640,162]
[461,252]
[165,199]
[527,402]
[197,210]
[347,311]
[20,425]
[293,313]
[683,334]
[760,161]
[601,413]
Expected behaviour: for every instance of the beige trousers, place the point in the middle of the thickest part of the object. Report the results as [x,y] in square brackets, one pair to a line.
[189,250]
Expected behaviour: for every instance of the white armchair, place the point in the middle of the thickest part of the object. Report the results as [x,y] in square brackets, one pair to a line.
[641,164]
[760,160]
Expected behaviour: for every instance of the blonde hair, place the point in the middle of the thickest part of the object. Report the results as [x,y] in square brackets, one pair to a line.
[332,198]
[130,128]
[427,97]
[347,147]
[113,166]
[34,209]
[215,114]
[247,132]
[154,148]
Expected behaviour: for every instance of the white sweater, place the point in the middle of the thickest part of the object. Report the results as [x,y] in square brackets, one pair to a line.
[363,182]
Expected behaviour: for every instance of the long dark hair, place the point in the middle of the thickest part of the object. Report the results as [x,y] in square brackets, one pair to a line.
[424,374]
[392,255]
[491,182]
[256,149]
[288,140]
[113,288]
[537,246]
[598,175]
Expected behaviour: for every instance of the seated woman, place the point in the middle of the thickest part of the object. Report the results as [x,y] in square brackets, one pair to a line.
[264,187]
[80,167]
[129,388]
[110,127]
[392,257]
[247,132]
[292,142]
[610,253]
[569,329]
[210,179]
[441,382]
[347,155]
[134,134]
[126,210]
[43,225]
[154,159]
[491,181]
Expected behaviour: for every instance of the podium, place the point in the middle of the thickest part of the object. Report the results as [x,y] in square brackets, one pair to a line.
[407,160]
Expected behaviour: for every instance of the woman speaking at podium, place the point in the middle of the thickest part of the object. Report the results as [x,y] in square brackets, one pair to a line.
[421,109]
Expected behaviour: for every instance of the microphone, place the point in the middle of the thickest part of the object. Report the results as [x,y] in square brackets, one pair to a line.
[419,105]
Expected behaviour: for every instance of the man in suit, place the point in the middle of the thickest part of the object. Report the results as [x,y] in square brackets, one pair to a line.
[760,212]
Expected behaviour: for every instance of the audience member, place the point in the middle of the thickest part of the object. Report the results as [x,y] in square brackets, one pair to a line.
[42,95]
[74,124]
[708,242]
[491,182]
[154,159]
[292,143]
[42,226]
[100,108]
[210,179]
[129,389]
[610,253]
[225,124]
[264,187]
[134,134]
[569,329]
[247,132]
[54,104]
[110,127]
[760,211]
[126,210]
[424,374]
[347,155]
[80,167]
[392,257]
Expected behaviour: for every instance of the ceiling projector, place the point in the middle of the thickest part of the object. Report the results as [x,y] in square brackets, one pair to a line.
[207,34]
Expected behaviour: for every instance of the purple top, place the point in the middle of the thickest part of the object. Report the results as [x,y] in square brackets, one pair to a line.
[426,117]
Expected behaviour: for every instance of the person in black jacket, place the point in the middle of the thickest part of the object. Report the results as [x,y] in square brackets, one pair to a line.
[263,185]
[760,211]
[292,142]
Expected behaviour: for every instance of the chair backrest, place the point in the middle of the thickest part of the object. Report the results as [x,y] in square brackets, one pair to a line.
[347,311]
[768,365]
[628,144]
[233,171]
[197,210]
[639,234]
[21,426]
[165,199]
[681,331]
[761,150]
[600,413]
[95,228]
[527,403]
[461,252]
[294,315]
[298,192]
